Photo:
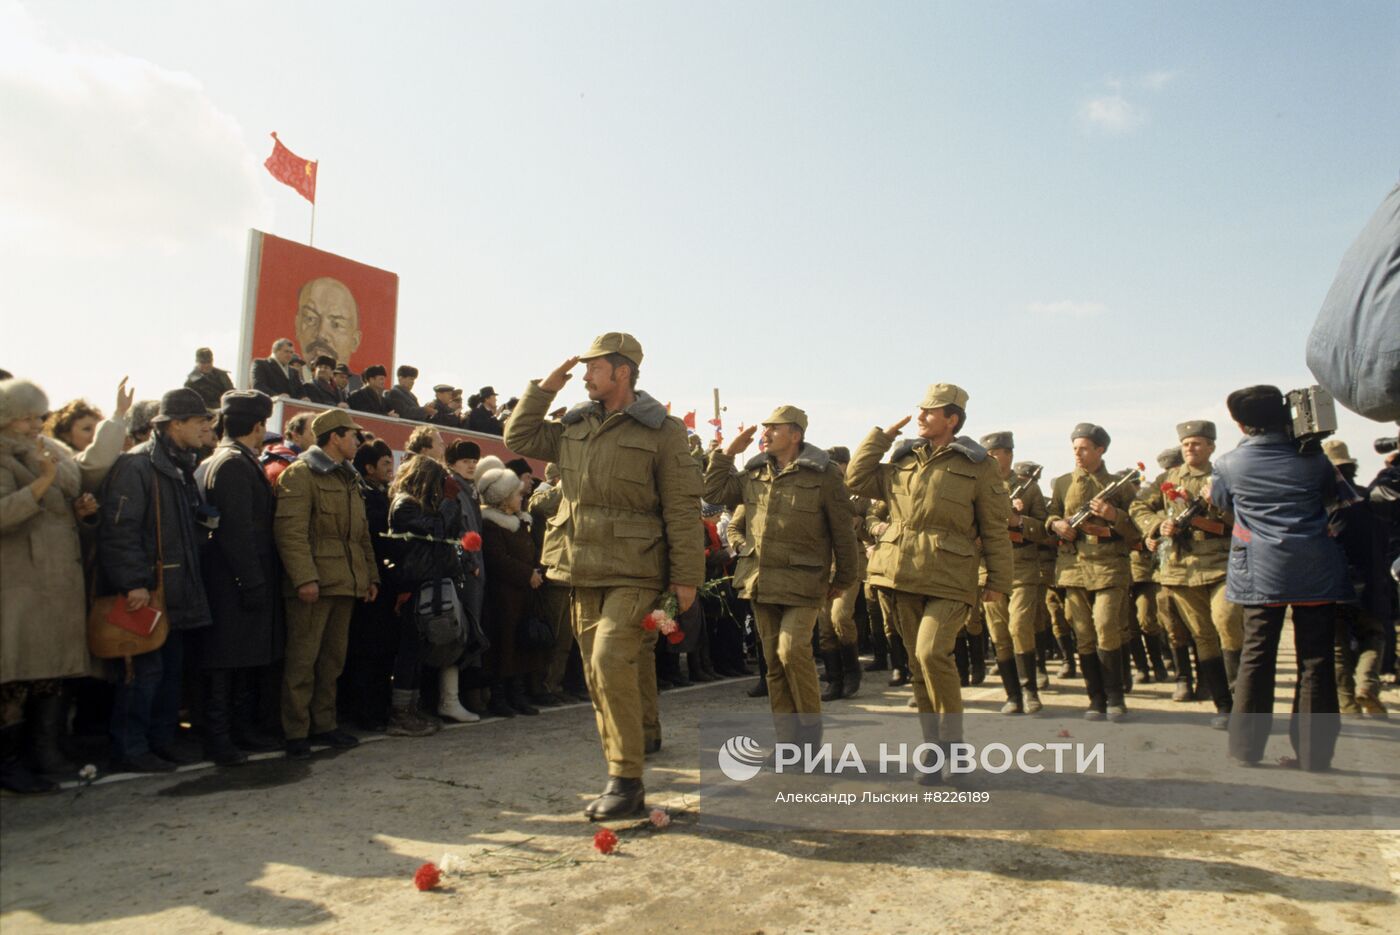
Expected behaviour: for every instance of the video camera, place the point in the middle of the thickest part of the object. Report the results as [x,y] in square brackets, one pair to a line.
[1312,416]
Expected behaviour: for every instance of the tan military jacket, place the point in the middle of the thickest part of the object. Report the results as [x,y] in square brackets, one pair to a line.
[1192,558]
[321,530]
[940,501]
[797,519]
[1092,561]
[1025,541]
[631,492]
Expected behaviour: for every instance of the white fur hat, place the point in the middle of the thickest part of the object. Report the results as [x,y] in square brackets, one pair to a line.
[20,399]
[488,463]
[496,484]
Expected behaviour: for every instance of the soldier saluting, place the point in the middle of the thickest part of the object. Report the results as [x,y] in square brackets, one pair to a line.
[943,493]
[627,527]
[798,516]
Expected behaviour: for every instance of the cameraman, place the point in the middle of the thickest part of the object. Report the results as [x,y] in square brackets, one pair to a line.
[1384,497]
[1280,557]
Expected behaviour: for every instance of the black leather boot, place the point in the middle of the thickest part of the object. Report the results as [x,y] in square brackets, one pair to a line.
[15,774]
[1138,650]
[977,657]
[1156,643]
[623,798]
[1213,676]
[1185,688]
[1066,642]
[1043,642]
[850,669]
[48,722]
[1026,672]
[962,659]
[1125,665]
[218,719]
[1112,663]
[1094,687]
[899,663]
[835,681]
[1006,668]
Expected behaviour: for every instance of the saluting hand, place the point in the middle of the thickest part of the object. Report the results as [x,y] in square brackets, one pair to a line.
[893,431]
[556,380]
[741,441]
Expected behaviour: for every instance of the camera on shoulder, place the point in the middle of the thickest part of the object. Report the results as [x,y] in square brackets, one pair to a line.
[1312,416]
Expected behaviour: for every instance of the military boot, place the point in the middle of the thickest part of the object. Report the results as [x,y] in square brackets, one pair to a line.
[1067,649]
[623,798]
[1043,641]
[1125,665]
[1139,654]
[962,659]
[1185,689]
[1212,675]
[1006,668]
[977,658]
[48,717]
[835,681]
[850,669]
[1094,687]
[899,663]
[1025,670]
[1112,663]
[1155,644]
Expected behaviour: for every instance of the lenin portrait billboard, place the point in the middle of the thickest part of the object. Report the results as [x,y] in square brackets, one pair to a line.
[326,304]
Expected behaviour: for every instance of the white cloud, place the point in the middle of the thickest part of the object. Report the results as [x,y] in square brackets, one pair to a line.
[1066,309]
[1157,80]
[1111,113]
[104,152]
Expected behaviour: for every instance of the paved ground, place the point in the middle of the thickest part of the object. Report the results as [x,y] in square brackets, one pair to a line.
[331,844]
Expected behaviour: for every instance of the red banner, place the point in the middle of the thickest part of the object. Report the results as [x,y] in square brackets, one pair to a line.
[290,169]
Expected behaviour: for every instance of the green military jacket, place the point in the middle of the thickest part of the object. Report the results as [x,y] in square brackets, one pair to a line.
[1199,556]
[940,501]
[320,527]
[1026,540]
[796,520]
[630,503]
[1094,561]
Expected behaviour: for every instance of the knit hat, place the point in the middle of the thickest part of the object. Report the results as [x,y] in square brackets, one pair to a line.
[20,399]
[497,484]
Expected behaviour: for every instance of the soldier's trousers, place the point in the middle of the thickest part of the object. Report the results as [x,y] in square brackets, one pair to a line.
[786,633]
[1097,617]
[929,627]
[1214,622]
[555,598]
[1170,621]
[1144,605]
[1055,608]
[317,635]
[836,624]
[619,664]
[1011,620]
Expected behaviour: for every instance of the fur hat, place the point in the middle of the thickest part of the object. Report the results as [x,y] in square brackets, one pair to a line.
[496,485]
[20,399]
[488,463]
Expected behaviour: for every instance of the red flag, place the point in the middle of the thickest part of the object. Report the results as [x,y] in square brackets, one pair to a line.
[689,420]
[290,169]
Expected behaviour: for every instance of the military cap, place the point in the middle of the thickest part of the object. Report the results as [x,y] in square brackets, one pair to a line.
[406,370]
[840,454]
[1094,433]
[1259,407]
[323,360]
[444,388]
[180,404]
[944,394]
[343,368]
[332,419]
[787,415]
[374,370]
[614,342]
[1337,452]
[1202,427]
[997,440]
[252,403]
[203,355]
[1170,458]
[1025,467]
[551,472]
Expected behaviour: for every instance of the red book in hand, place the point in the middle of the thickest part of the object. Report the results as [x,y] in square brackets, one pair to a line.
[141,622]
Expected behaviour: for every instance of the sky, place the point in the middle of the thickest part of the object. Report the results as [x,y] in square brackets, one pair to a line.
[1113,213]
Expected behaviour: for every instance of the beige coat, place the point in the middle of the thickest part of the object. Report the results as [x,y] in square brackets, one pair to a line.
[43,598]
[941,500]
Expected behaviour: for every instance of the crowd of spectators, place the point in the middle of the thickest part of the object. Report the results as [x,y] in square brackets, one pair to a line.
[299,574]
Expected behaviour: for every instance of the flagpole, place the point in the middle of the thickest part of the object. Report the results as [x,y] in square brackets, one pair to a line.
[311,241]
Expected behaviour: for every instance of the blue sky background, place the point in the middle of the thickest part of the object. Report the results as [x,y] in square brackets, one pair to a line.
[1077,211]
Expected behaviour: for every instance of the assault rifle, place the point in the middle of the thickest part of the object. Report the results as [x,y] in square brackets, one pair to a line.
[1129,476]
[1026,484]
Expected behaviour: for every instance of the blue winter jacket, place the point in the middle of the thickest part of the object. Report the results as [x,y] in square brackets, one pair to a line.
[1280,552]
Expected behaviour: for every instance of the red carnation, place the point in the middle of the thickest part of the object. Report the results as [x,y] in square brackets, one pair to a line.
[1168,487]
[648,622]
[605,842]
[675,636]
[427,877]
[471,541]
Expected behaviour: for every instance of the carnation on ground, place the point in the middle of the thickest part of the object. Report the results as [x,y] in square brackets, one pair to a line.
[605,841]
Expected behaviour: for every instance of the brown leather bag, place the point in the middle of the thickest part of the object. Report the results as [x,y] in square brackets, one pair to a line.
[106,640]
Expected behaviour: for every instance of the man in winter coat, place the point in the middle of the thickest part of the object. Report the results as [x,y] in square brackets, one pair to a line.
[208,381]
[323,538]
[135,558]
